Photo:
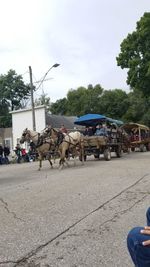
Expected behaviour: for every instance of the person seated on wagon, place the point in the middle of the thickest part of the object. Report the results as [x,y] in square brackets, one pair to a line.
[63,129]
[88,131]
[101,130]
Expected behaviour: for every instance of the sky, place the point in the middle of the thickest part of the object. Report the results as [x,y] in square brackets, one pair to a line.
[83,36]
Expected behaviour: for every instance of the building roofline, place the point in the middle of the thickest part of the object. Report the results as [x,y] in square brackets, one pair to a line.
[27,109]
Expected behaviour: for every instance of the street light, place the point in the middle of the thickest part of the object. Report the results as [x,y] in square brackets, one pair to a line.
[31,88]
[54,66]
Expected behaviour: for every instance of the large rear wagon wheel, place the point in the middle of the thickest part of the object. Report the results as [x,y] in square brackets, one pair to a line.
[148,147]
[96,156]
[118,152]
[142,148]
[107,154]
[82,157]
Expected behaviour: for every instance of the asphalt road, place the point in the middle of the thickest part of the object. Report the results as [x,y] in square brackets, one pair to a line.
[77,217]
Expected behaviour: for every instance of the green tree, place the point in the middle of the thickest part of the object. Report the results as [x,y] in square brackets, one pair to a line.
[76,101]
[94,95]
[43,100]
[59,107]
[139,108]
[5,117]
[12,92]
[114,103]
[84,100]
[13,89]
[135,56]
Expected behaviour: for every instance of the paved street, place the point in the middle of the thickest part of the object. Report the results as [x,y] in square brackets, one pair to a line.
[77,217]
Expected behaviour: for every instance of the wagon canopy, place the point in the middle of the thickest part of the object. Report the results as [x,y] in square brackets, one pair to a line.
[130,126]
[90,119]
[118,122]
[94,119]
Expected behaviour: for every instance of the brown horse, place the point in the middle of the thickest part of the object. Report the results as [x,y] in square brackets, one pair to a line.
[67,144]
[43,148]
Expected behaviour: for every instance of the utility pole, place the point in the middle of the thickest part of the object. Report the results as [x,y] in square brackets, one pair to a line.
[32,100]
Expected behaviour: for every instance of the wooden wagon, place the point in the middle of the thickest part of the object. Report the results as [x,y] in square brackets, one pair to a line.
[139,136]
[97,145]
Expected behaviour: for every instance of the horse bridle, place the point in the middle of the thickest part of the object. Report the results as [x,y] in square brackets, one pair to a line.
[27,133]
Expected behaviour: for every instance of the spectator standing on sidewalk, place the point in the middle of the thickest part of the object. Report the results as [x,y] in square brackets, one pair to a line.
[24,155]
[6,154]
[138,242]
[1,154]
[18,153]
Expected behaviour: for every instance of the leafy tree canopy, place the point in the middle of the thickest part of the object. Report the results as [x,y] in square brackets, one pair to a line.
[13,89]
[93,99]
[138,109]
[79,101]
[43,100]
[84,100]
[114,103]
[135,56]
[59,107]
[13,92]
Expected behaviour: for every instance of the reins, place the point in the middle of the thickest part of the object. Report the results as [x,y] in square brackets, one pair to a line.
[70,137]
[34,135]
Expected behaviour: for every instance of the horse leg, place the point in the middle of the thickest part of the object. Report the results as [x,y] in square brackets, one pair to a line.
[74,154]
[60,164]
[40,163]
[50,162]
[62,159]
[81,152]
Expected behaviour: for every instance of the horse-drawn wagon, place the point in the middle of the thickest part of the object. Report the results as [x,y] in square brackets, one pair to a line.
[139,136]
[105,144]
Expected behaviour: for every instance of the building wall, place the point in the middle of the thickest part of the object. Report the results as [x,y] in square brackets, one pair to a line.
[22,119]
[6,137]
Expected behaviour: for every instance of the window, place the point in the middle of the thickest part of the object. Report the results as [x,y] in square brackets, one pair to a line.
[7,142]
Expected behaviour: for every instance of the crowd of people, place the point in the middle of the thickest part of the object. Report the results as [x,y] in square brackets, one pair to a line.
[23,156]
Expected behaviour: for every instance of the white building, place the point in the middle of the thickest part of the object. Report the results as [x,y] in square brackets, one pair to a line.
[22,119]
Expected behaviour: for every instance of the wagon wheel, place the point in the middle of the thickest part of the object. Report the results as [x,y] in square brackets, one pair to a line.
[118,151]
[132,149]
[107,154]
[96,156]
[142,148]
[84,157]
[148,147]
[80,157]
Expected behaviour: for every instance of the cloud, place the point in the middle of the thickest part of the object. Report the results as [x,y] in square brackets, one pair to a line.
[83,36]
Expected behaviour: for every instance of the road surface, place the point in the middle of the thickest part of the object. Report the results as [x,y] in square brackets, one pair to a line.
[77,217]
